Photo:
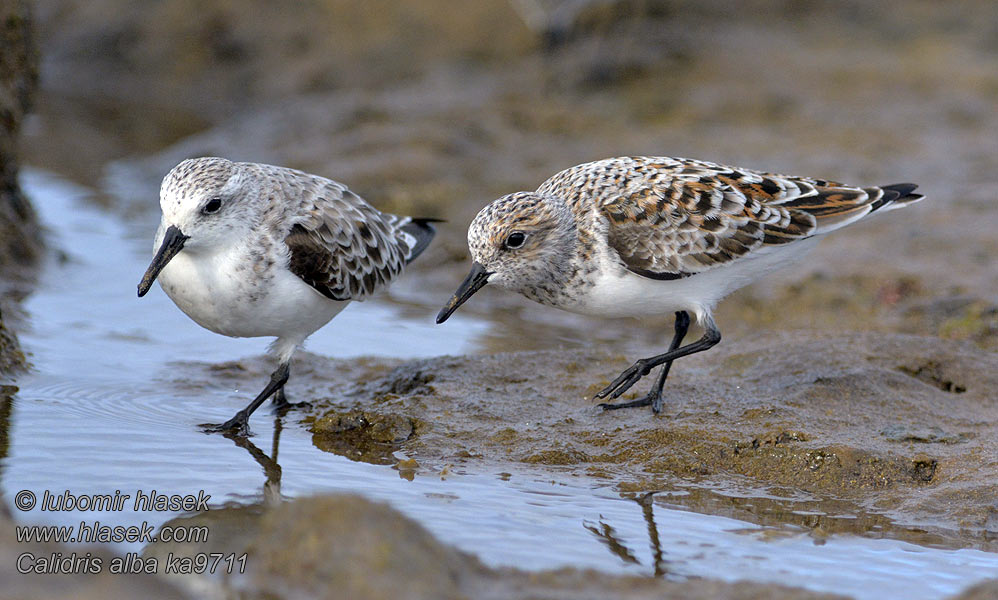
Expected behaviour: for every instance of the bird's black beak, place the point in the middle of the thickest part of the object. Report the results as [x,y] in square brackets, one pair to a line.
[173,242]
[475,281]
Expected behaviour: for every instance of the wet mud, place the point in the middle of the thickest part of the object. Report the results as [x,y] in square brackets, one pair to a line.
[879,435]
[898,433]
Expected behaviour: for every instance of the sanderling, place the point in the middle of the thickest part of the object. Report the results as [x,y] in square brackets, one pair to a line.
[249,250]
[642,236]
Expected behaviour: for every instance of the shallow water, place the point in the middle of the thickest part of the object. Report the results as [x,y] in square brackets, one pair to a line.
[93,417]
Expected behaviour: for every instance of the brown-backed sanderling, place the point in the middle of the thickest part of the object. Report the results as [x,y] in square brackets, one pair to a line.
[249,250]
[641,236]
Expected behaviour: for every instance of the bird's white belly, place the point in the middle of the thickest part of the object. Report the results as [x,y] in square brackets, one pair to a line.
[224,296]
[617,292]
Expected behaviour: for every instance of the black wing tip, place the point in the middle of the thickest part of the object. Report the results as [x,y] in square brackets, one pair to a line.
[899,194]
[423,230]
[901,191]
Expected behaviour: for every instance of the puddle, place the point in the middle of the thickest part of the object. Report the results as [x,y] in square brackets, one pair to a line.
[93,418]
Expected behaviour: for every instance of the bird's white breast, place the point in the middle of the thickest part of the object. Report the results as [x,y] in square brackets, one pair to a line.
[228,293]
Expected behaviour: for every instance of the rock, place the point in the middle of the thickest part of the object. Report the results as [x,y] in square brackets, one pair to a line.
[987,590]
[11,357]
[20,236]
[362,435]
[338,546]
[20,239]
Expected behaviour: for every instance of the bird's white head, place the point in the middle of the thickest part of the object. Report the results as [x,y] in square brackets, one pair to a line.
[206,203]
[209,200]
[522,242]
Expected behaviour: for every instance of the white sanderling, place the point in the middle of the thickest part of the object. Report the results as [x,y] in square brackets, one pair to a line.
[249,250]
[643,236]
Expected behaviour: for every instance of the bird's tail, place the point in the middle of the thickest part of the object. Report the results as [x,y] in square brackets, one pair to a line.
[422,231]
[835,206]
[894,196]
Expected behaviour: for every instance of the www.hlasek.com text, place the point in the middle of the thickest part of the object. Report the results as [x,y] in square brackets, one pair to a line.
[98,533]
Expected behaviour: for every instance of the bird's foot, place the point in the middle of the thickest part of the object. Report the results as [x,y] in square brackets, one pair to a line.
[651,399]
[286,406]
[237,425]
[281,404]
[625,380]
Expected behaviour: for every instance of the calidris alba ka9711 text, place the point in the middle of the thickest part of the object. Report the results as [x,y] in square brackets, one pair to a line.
[647,236]
[249,250]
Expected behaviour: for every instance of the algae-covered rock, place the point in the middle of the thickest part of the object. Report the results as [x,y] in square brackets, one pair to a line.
[361,435]
[11,357]
[20,240]
[20,237]
[987,590]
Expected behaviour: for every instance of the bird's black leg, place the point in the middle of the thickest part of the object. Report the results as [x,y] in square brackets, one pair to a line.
[279,400]
[654,396]
[239,423]
[647,503]
[281,403]
[643,366]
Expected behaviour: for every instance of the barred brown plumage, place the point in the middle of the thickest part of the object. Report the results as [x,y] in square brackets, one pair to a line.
[673,216]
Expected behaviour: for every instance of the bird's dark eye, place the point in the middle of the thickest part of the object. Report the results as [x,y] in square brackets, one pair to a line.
[213,206]
[515,239]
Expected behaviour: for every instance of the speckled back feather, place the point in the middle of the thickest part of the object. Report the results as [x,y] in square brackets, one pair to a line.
[669,218]
[341,245]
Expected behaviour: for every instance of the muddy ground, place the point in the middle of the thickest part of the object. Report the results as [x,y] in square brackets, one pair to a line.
[870,434]
[898,431]
[860,381]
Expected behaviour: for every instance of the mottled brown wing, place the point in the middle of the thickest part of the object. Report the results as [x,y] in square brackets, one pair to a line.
[344,247]
[680,217]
